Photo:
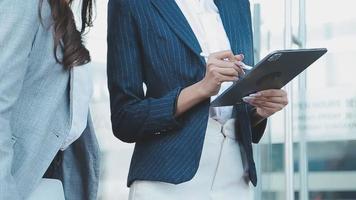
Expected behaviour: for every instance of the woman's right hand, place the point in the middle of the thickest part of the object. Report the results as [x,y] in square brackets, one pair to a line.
[221,67]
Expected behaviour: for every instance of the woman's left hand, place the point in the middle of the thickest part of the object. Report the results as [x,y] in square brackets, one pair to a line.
[267,102]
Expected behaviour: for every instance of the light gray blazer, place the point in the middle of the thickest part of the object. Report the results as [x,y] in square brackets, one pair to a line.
[35,109]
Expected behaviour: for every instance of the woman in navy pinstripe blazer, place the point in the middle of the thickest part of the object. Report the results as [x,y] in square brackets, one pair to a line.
[151,42]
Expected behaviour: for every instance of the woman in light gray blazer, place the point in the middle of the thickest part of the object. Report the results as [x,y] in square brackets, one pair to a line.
[47,141]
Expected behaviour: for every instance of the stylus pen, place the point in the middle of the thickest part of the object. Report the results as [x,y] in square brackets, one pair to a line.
[243,65]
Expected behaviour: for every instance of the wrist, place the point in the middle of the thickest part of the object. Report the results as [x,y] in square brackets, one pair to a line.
[201,91]
[189,97]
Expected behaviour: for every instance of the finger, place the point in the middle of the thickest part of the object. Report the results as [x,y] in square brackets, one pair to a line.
[227,65]
[259,103]
[251,103]
[226,71]
[222,63]
[239,57]
[268,110]
[271,93]
[279,100]
[240,70]
[222,55]
[239,66]
[223,78]
[230,58]
[275,106]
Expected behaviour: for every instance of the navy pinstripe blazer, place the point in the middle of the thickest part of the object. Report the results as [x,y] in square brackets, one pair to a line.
[151,42]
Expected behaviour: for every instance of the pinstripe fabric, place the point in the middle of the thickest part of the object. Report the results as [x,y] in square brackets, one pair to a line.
[150,41]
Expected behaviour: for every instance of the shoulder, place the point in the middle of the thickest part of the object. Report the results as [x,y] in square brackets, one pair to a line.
[13,8]
[25,6]
[128,6]
[18,16]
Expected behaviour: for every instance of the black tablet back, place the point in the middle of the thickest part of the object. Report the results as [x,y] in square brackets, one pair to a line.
[273,72]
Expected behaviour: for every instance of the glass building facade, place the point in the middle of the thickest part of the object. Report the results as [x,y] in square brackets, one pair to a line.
[308,151]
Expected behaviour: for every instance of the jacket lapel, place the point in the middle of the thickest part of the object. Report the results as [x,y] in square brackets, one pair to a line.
[176,20]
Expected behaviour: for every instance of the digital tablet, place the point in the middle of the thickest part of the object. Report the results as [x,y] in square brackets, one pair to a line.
[272,72]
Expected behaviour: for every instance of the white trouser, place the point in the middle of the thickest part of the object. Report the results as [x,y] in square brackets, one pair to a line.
[48,189]
[219,176]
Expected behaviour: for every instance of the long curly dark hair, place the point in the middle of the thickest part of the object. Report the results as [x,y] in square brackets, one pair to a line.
[66,35]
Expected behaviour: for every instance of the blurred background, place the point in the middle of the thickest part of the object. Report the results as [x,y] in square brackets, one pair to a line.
[308,151]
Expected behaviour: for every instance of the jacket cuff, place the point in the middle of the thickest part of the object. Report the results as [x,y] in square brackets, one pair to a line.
[163,113]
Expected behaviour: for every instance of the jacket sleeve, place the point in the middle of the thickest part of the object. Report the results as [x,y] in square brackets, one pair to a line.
[259,129]
[19,24]
[134,116]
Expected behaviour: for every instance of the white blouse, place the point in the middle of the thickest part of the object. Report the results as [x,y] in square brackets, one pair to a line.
[204,19]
